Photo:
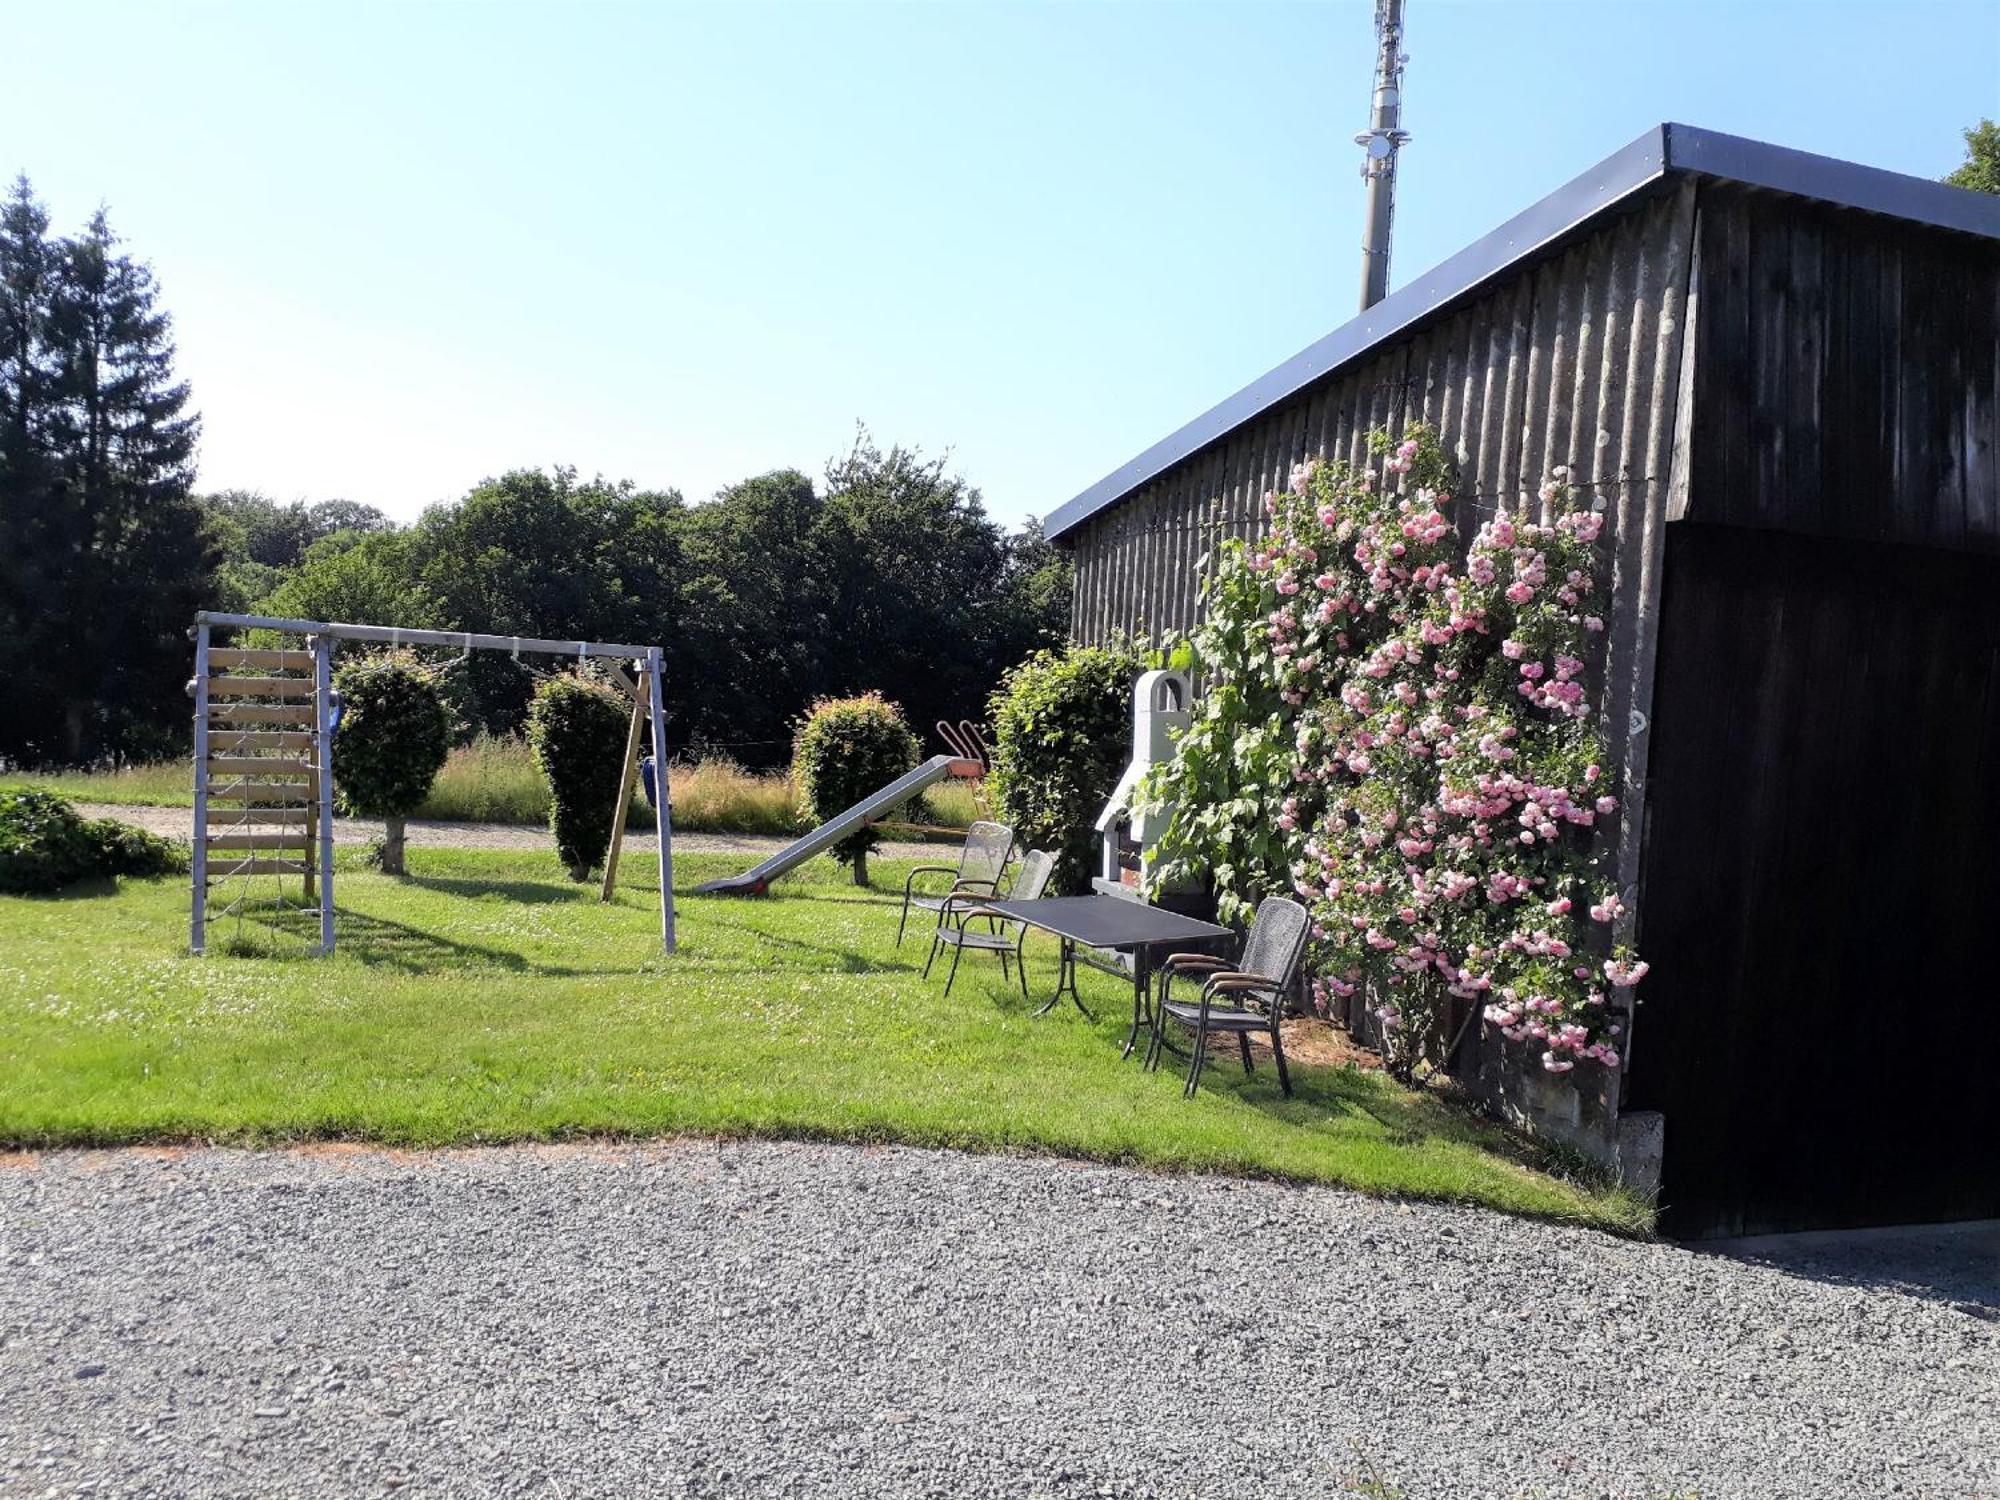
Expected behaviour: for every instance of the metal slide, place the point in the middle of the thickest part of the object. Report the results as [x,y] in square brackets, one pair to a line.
[870,809]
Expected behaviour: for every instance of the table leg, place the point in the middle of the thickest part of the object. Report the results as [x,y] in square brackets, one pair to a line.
[1142,1012]
[1066,983]
[1065,979]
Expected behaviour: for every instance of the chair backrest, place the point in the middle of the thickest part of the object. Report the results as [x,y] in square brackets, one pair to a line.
[987,846]
[1037,865]
[1277,940]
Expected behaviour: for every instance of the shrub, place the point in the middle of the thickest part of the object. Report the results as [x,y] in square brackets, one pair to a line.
[577,731]
[125,850]
[394,733]
[846,748]
[1062,733]
[46,845]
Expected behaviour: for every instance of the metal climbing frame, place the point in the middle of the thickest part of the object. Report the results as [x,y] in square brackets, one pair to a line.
[247,730]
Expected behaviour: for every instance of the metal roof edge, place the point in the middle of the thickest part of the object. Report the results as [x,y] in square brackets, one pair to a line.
[1660,151]
[1846,184]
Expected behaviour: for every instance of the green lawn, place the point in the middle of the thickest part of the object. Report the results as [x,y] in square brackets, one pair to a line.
[485,998]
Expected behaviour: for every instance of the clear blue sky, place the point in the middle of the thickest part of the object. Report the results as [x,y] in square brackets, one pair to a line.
[408,246]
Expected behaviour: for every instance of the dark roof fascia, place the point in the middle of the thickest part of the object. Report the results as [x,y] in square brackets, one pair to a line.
[1845,184]
[1618,179]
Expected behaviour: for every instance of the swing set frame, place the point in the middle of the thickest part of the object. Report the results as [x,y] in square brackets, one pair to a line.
[322,638]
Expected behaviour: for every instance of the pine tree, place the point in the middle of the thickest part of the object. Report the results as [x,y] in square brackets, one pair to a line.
[114,555]
[30,553]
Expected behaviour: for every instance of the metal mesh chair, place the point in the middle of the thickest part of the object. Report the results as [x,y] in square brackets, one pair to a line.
[981,865]
[1241,998]
[1000,934]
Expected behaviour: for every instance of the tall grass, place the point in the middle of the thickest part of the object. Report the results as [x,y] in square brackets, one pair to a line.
[494,780]
[166,783]
[717,796]
[488,781]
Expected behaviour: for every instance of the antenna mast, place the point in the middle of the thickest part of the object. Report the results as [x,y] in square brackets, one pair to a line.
[1381,141]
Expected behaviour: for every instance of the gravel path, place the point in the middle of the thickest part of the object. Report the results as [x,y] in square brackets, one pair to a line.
[695,1319]
[175,822]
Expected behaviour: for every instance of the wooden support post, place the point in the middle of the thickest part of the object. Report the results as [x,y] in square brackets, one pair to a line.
[322,646]
[198,922]
[626,779]
[662,817]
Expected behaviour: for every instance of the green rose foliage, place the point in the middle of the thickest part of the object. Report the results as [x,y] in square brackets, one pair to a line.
[1062,732]
[45,845]
[1404,735]
[577,731]
[394,733]
[844,749]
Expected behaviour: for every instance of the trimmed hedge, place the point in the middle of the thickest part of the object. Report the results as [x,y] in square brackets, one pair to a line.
[45,845]
[394,735]
[1062,734]
[846,748]
[577,730]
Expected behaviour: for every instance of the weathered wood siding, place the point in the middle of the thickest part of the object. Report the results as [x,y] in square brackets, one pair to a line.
[1822,870]
[1848,368]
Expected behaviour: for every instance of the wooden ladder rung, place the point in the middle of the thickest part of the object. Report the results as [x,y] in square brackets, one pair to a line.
[274,839]
[226,870]
[296,717]
[240,822]
[290,793]
[276,661]
[226,741]
[259,687]
[257,765]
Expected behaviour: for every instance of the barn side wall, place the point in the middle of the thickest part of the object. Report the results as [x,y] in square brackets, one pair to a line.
[1821,838]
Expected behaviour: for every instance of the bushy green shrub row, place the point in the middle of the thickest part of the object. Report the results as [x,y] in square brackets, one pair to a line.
[45,844]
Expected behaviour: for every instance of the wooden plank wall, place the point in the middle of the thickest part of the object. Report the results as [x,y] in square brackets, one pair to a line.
[1849,366]
[1822,869]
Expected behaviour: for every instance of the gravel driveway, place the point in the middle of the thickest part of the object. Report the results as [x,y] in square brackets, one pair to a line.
[795,1320]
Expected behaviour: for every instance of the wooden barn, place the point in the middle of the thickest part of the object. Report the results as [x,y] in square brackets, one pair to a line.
[1779,371]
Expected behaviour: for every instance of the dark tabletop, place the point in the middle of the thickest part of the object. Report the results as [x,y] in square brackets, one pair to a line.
[1108,921]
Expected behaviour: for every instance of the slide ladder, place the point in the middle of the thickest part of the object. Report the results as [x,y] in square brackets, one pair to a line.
[870,809]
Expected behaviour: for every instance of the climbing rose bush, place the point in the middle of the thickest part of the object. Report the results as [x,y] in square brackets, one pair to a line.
[1404,732]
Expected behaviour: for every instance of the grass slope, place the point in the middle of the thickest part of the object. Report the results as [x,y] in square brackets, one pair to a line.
[485,998]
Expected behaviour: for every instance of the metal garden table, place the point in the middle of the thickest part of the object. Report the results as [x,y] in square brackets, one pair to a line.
[1113,924]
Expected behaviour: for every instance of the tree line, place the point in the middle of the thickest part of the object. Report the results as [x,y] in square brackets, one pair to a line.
[887,573]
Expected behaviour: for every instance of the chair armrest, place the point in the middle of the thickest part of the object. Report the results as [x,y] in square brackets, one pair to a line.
[1193,961]
[991,887]
[958,901]
[1232,981]
[909,884]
